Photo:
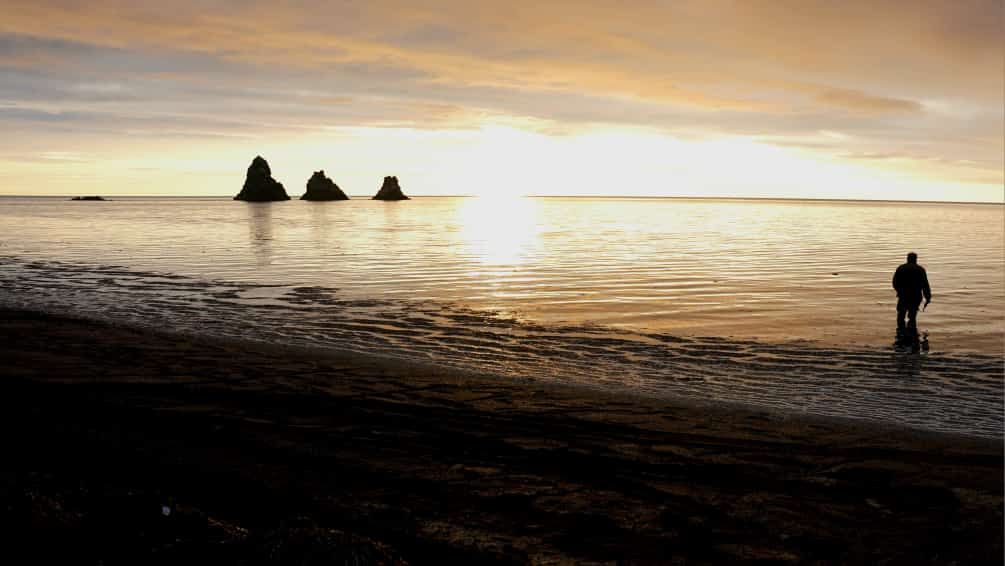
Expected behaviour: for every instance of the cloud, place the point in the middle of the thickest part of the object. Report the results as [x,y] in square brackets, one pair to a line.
[859,101]
[919,77]
[696,54]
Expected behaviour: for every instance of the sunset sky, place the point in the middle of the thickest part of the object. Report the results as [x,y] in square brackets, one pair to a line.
[891,100]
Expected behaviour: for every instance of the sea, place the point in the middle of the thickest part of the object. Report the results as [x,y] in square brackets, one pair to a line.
[782,305]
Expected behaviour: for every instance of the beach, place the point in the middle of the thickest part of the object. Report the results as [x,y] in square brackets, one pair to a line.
[471,283]
[134,446]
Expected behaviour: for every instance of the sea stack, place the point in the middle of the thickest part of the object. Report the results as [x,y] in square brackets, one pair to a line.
[259,186]
[390,190]
[320,187]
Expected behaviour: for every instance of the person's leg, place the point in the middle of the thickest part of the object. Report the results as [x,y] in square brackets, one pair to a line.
[901,311]
[912,315]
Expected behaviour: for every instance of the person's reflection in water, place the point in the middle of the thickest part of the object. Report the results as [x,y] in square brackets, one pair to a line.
[909,366]
[260,232]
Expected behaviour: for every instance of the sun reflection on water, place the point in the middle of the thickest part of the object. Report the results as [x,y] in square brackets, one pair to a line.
[498,231]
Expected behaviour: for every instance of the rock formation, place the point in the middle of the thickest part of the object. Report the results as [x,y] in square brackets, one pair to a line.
[259,186]
[88,198]
[390,190]
[320,187]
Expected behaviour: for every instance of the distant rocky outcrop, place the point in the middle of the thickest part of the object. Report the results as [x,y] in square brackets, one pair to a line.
[390,190]
[320,187]
[259,186]
[89,198]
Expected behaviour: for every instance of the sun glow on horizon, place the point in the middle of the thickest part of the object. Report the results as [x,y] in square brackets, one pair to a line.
[503,158]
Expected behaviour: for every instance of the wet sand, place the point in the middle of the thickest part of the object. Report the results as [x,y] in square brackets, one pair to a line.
[126,446]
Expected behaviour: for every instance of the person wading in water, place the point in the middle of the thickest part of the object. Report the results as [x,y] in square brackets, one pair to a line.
[911,283]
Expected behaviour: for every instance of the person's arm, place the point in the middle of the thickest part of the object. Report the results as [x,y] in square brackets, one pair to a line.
[925,288]
[896,275]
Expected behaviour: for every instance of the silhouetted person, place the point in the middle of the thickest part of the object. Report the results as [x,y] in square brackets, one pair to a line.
[911,282]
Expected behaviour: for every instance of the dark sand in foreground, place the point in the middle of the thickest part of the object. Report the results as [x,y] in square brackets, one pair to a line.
[130,447]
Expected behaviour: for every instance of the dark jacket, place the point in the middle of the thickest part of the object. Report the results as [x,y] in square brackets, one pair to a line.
[911,282]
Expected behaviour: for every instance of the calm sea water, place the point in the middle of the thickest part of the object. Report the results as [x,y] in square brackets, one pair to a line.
[783,304]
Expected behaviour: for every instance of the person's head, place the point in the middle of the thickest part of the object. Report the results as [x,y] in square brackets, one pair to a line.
[912,258]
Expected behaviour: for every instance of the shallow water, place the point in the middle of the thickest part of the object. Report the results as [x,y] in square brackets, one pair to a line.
[778,304]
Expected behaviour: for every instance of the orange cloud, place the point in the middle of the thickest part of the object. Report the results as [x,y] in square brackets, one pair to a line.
[859,101]
[697,54]
[777,68]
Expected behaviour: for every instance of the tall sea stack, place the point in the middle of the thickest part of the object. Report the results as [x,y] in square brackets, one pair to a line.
[390,190]
[259,186]
[320,187]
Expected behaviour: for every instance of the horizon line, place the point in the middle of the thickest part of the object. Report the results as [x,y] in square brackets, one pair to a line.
[608,197]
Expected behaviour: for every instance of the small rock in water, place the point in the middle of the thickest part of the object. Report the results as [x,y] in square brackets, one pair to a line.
[259,186]
[320,187]
[390,190]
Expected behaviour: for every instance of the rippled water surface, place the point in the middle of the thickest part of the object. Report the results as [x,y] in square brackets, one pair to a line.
[779,304]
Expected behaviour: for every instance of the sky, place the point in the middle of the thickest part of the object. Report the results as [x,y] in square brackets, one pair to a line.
[898,99]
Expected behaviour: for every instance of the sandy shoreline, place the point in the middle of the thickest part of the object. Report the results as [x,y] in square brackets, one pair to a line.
[267,452]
